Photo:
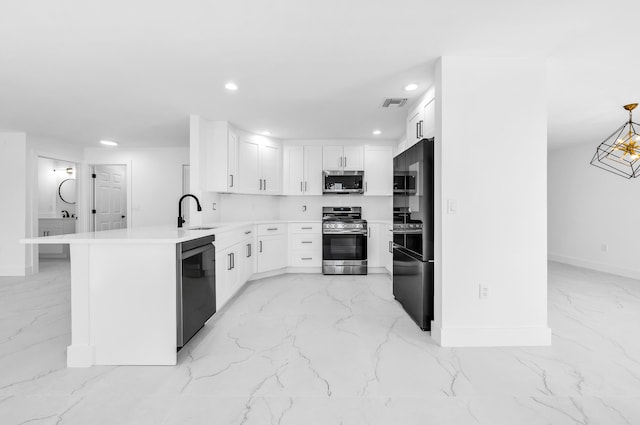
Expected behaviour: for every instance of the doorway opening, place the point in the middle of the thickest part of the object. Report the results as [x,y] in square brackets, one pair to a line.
[108,197]
[56,203]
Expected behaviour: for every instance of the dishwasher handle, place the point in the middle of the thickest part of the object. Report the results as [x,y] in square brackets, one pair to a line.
[196,251]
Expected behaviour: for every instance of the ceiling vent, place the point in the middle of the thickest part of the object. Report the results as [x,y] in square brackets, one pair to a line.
[397,101]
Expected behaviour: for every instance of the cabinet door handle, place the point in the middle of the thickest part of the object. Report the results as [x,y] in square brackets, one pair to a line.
[340,161]
[305,186]
[421,135]
[306,228]
[260,246]
[391,247]
[345,162]
[306,258]
[247,232]
[369,232]
[229,266]
[231,175]
[301,190]
[272,229]
[366,186]
[306,241]
[265,184]
[249,250]
[260,184]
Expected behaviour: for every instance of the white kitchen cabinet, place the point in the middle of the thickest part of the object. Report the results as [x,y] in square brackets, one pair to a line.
[54,227]
[272,253]
[234,263]
[421,121]
[259,166]
[303,170]
[305,244]
[378,171]
[246,256]
[227,275]
[354,158]
[221,150]
[414,121]
[337,158]
[373,245]
[428,127]
[272,247]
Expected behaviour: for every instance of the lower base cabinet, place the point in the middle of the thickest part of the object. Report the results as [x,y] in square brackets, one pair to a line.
[272,252]
[234,266]
[55,227]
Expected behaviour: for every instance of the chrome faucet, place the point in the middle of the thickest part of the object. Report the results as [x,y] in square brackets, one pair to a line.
[180,218]
[65,214]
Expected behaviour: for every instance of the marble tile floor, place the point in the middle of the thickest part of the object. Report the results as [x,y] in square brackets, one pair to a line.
[312,349]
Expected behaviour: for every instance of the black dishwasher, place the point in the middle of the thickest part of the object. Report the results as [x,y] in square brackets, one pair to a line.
[196,286]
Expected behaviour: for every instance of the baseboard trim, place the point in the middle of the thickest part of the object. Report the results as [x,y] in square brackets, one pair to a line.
[491,337]
[13,271]
[592,265]
[80,356]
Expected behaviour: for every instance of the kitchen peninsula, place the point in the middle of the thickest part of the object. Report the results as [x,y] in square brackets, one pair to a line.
[123,293]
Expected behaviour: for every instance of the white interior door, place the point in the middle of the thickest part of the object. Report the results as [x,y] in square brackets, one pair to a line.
[110,197]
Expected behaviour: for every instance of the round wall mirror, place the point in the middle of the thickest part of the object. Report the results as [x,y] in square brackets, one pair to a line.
[67,191]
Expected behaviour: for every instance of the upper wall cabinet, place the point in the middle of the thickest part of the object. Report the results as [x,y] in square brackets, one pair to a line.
[421,120]
[259,165]
[302,170]
[343,158]
[378,171]
[221,152]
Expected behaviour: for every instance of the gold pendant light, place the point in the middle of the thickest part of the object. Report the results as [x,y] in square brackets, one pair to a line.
[620,152]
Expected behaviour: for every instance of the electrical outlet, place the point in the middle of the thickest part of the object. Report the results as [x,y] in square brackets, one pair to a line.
[483,291]
[452,206]
[604,247]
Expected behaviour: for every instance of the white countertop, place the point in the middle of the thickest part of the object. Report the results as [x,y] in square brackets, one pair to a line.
[157,234]
[147,235]
[150,235]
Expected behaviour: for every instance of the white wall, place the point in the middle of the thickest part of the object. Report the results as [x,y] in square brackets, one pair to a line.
[589,207]
[154,181]
[14,214]
[491,154]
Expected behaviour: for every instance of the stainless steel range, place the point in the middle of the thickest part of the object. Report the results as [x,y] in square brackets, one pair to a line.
[344,241]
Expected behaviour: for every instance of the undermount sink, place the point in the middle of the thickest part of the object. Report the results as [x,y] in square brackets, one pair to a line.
[201,228]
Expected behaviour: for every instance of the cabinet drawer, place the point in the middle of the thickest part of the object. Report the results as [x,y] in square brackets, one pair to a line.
[226,239]
[302,259]
[306,242]
[271,229]
[306,228]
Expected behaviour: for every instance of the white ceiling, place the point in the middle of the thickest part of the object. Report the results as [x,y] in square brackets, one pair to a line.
[133,71]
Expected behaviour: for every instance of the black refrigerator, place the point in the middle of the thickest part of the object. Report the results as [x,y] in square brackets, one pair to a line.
[413,231]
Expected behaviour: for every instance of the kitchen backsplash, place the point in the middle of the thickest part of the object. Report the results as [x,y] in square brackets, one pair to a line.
[373,207]
[259,207]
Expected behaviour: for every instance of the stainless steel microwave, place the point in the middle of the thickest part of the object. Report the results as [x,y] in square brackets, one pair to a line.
[343,182]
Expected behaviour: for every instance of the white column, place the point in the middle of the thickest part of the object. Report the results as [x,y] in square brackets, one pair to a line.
[491,207]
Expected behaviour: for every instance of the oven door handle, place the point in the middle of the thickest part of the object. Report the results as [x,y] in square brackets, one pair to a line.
[344,232]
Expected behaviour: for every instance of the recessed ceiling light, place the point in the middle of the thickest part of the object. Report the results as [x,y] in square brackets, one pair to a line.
[376,132]
[411,87]
[231,86]
[109,143]
[266,133]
